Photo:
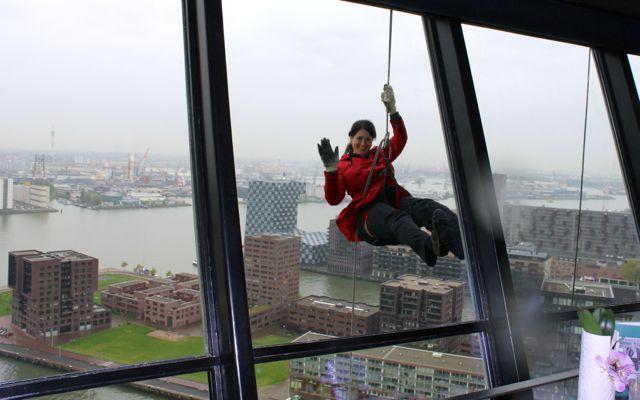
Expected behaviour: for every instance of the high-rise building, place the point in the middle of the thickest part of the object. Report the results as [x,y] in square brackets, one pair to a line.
[6,193]
[528,269]
[314,247]
[333,316]
[272,207]
[343,256]
[272,271]
[553,231]
[394,372]
[53,293]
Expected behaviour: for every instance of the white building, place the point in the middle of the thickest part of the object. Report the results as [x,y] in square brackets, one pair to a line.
[35,195]
[6,193]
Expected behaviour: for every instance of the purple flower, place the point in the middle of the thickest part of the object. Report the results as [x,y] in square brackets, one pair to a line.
[619,367]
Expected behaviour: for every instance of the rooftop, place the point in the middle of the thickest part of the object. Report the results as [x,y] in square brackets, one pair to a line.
[338,305]
[582,288]
[411,356]
[415,282]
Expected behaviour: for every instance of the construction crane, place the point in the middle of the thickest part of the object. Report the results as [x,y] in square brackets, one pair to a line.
[143,163]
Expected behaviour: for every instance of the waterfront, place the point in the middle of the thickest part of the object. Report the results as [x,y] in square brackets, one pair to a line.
[158,237]
[11,369]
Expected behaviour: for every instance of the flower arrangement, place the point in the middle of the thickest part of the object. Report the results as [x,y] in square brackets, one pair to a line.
[614,366]
[619,368]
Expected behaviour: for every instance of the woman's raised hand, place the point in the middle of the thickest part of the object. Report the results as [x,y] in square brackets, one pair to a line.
[328,156]
[389,99]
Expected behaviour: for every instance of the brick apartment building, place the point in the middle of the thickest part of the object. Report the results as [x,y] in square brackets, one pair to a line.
[169,303]
[53,293]
[272,271]
[412,302]
[394,372]
[333,316]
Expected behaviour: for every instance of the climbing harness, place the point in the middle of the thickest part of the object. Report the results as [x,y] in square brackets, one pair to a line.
[584,141]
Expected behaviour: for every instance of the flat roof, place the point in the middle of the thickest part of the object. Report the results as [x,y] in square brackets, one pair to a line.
[338,305]
[411,356]
[25,252]
[161,299]
[582,288]
[415,282]
[127,283]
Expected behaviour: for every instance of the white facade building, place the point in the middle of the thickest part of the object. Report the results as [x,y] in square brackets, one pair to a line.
[6,193]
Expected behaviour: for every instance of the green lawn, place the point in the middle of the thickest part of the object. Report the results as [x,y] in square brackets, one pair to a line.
[129,344]
[6,299]
[274,372]
[271,340]
[104,280]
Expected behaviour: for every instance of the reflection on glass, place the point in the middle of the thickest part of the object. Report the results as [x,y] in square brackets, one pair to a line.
[562,253]
[559,390]
[411,371]
[96,229]
[634,62]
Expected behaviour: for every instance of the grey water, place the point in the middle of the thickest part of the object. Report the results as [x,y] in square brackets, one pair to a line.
[11,370]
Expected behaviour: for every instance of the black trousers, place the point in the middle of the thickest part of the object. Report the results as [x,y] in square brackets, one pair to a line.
[392,226]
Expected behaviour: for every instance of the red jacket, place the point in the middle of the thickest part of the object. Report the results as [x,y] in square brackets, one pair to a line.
[351,178]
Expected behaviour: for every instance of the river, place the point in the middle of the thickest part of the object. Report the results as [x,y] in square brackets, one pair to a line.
[11,369]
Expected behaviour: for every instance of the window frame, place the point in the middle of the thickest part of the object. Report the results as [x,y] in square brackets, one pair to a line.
[225,313]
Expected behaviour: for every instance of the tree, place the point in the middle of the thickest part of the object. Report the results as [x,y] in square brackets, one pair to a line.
[631,270]
[124,264]
[138,269]
[168,274]
[153,271]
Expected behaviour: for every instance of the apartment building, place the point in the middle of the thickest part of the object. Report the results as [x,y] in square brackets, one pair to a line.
[53,293]
[330,316]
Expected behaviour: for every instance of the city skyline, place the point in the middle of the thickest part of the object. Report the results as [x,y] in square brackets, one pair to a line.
[316,77]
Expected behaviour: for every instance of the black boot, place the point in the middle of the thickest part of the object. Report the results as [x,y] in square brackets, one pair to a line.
[439,235]
[425,251]
[452,229]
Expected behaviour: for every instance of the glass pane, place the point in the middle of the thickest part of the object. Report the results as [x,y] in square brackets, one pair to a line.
[532,98]
[16,369]
[634,62]
[411,371]
[557,391]
[563,253]
[96,228]
[317,75]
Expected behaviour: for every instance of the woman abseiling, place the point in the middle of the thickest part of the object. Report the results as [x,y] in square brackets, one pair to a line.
[386,213]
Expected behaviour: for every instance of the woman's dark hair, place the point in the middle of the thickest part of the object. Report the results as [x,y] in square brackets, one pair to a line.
[361,124]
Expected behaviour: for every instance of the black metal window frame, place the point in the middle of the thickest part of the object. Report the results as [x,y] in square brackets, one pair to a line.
[230,357]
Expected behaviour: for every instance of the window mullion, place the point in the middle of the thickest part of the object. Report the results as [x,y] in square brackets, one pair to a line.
[490,276]
[215,203]
[623,107]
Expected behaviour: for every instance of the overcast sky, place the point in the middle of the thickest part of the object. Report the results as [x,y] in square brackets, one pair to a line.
[110,76]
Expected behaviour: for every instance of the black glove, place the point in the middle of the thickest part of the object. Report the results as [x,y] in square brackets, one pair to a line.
[328,156]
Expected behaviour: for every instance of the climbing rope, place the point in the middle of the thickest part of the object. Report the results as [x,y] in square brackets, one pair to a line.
[584,142]
[384,142]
